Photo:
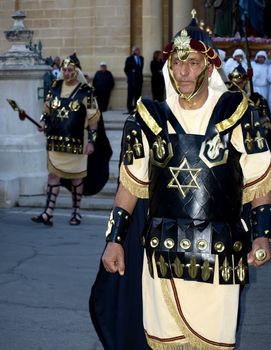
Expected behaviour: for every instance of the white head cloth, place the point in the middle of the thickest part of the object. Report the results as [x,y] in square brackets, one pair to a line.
[261,53]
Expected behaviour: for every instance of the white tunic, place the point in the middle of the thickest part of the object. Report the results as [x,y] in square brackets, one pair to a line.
[182,314]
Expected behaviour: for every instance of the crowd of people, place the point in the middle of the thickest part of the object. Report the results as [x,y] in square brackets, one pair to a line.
[103,80]
[258,70]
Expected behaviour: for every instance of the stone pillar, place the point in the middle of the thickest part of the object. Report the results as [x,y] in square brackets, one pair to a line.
[152,37]
[181,14]
[23,168]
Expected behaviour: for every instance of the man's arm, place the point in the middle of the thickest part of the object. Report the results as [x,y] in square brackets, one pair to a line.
[260,242]
[127,66]
[113,256]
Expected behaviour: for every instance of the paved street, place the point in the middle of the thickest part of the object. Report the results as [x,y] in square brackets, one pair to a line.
[45,279]
[46,275]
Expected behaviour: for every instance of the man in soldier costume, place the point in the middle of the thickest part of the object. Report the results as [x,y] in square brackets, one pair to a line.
[238,79]
[70,122]
[198,157]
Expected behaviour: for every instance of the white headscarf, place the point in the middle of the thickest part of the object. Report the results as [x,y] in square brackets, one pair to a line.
[239,52]
[261,53]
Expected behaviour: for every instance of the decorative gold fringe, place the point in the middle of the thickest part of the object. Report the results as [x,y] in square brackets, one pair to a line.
[195,342]
[64,175]
[259,189]
[156,345]
[137,189]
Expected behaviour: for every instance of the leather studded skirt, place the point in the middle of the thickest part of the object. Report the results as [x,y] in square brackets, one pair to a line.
[189,250]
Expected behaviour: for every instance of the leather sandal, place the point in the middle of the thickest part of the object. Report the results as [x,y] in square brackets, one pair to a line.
[75,219]
[43,218]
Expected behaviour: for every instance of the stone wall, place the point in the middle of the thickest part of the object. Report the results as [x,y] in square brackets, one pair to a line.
[96,29]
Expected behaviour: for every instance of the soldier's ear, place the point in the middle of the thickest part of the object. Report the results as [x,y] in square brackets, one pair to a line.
[210,70]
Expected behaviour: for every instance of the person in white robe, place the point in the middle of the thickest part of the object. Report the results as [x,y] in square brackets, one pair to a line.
[260,73]
[238,56]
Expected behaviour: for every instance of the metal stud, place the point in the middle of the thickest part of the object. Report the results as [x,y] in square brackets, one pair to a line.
[202,244]
[219,246]
[169,243]
[237,246]
[185,243]
[154,242]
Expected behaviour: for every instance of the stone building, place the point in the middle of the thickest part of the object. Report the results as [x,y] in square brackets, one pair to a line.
[103,30]
[97,30]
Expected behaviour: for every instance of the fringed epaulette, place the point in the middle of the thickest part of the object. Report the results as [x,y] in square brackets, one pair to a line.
[132,141]
[152,117]
[55,88]
[253,132]
[144,120]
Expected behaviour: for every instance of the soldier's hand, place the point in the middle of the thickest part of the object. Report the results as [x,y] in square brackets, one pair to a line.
[260,252]
[113,258]
[89,148]
[42,127]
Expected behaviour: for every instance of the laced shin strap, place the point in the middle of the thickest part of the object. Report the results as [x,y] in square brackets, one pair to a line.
[77,191]
[52,193]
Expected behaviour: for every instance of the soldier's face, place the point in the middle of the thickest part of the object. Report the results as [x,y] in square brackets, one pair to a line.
[69,73]
[186,73]
[241,83]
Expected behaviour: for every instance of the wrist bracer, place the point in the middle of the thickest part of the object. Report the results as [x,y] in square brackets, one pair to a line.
[92,135]
[118,225]
[261,221]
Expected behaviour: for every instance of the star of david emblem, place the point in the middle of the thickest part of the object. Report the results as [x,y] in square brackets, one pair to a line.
[188,178]
[63,113]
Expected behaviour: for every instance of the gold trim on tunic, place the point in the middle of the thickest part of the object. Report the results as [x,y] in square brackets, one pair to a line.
[158,345]
[258,188]
[134,186]
[63,174]
[193,340]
